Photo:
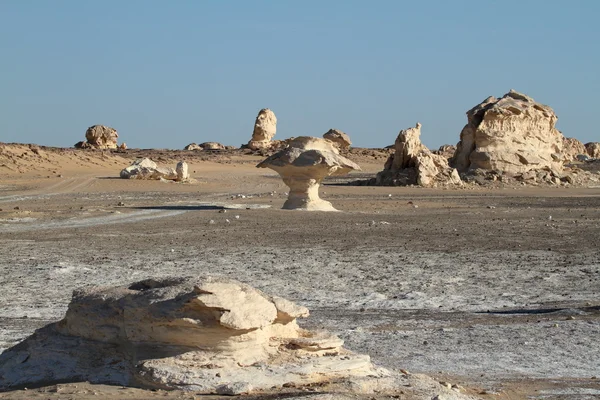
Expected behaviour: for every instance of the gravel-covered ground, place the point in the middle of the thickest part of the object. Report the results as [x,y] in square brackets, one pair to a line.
[495,289]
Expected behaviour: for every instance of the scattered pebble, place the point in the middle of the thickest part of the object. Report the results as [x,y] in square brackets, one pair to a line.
[222,211]
[120,204]
[212,222]
[237,217]
[228,221]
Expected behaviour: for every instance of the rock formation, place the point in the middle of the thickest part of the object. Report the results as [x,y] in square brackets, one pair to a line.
[511,135]
[211,146]
[204,334]
[181,169]
[99,137]
[265,128]
[144,168]
[572,148]
[446,150]
[413,164]
[193,146]
[338,137]
[593,149]
[303,165]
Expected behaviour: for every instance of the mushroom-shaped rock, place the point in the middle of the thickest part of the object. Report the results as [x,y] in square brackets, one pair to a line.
[303,165]
[204,334]
[265,127]
[338,137]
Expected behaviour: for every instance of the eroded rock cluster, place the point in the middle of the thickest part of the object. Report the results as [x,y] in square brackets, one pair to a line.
[99,137]
[413,164]
[144,168]
[206,334]
[303,165]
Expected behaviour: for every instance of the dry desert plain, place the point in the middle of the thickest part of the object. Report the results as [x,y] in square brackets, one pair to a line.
[495,290]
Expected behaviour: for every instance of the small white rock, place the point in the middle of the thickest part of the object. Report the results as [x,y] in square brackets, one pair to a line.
[212,222]
[237,217]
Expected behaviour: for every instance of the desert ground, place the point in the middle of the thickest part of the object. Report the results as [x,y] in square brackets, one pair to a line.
[494,290]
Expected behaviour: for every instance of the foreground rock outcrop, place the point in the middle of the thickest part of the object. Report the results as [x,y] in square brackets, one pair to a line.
[413,164]
[99,137]
[303,165]
[265,127]
[206,334]
[338,137]
[144,168]
[513,134]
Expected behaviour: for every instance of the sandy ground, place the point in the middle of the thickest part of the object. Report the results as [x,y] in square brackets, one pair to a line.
[495,290]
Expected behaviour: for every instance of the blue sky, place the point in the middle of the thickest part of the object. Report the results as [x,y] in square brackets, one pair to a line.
[168,73]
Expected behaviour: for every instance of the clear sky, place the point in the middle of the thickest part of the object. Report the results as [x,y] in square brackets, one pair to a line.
[168,73]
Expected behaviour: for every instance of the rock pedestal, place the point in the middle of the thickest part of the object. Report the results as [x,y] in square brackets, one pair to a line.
[303,165]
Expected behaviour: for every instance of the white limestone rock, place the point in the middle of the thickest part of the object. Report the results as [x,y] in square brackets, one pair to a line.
[341,139]
[303,165]
[204,334]
[144,168]
[413,164]
[99,137]
[511,135]
[265,127]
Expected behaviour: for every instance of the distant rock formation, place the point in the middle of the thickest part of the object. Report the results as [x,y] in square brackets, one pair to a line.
[99,137]
[338,137]
[511,135]
[144,168]
[203,334]
[446,150]
[572,148]
[593,149]
[212,146]
[265,127]
[205,146]
[413,164]
[303,165]
[193,146]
